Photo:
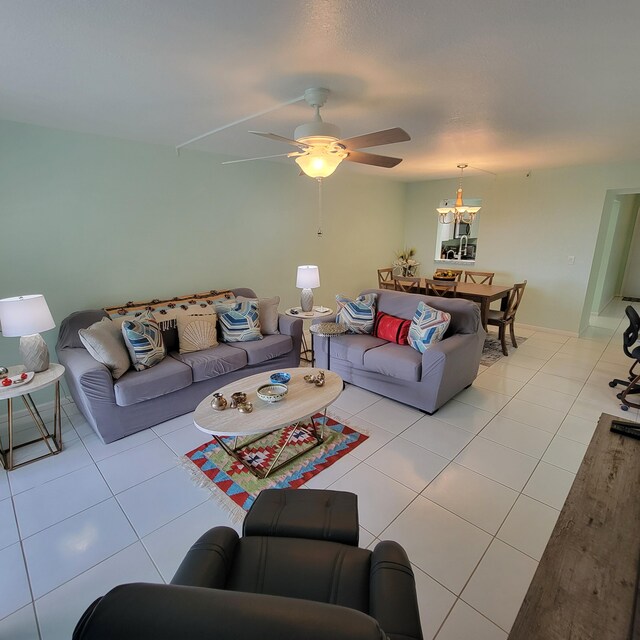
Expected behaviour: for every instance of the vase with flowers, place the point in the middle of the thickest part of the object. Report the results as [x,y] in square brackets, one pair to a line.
[405,263]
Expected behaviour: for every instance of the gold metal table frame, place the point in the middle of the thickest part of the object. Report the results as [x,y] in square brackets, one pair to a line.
[53,440]
[313,428]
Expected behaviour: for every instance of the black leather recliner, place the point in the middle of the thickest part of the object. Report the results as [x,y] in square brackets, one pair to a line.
[296,573]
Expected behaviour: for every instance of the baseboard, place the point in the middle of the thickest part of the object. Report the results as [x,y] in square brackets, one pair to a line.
[533,327]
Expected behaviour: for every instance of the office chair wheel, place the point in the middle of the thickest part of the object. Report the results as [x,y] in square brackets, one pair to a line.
[613,384]
[624,407]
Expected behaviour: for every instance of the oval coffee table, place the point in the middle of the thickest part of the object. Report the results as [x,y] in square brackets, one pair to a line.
[303,400]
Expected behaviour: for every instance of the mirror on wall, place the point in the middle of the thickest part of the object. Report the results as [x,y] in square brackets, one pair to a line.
[458,241]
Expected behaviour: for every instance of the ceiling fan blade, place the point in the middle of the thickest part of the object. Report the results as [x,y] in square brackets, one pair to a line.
[277,155]
[373,158]
[277,138]
[388,136]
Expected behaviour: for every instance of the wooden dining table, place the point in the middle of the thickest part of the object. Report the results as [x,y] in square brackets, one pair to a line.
[484,294]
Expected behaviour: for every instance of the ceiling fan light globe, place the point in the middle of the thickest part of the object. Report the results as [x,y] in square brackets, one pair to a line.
[319,165]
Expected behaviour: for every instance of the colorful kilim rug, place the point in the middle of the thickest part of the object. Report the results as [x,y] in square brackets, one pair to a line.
[235,487]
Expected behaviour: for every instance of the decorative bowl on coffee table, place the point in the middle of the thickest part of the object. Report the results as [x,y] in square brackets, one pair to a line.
[272,392]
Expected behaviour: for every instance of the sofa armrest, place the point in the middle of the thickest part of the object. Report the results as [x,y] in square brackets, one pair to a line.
[164,612]
[208,561]
[289,326]
[331,318]
[86,375]
[393,601]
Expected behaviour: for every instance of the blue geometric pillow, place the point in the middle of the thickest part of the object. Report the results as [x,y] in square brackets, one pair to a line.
[359,314]
[427,327]
[143,338]
[241,323]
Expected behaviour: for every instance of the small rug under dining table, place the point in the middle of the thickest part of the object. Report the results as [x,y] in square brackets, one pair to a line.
[235,487]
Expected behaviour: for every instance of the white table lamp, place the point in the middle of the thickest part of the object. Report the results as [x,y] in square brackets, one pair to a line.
[308,278]
[26,317]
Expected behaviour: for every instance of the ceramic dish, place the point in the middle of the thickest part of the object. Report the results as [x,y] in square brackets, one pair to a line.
[280,377]
[272,392]
[17,380]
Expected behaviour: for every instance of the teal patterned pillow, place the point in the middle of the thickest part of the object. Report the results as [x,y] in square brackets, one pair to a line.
[359,314]
[241,323]
[143,338]
[427,327]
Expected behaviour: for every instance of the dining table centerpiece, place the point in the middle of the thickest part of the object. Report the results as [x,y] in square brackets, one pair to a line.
[406,263]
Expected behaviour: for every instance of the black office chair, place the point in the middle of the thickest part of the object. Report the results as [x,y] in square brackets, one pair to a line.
[629,338]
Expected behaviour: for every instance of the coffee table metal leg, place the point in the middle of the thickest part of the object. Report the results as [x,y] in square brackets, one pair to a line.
[234,452]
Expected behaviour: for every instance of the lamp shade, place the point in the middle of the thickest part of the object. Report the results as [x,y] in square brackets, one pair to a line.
[308,277]
[25,315]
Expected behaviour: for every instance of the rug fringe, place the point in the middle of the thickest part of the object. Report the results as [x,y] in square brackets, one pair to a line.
[235,512]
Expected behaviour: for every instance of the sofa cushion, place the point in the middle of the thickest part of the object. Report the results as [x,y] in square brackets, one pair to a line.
[391,328]
[165,377]
[197,331]
[396,361]
[357,314]
[268,312]
[214,362]
[266,349]
[104,341]
[427,327]
[240,323]
[353,347]
[144,341]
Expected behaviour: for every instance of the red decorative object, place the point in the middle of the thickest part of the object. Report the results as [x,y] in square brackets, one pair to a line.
[7,382]
[391,328]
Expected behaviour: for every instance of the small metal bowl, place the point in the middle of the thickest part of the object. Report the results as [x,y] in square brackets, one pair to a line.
[272,392]
[245,407]
[280,377]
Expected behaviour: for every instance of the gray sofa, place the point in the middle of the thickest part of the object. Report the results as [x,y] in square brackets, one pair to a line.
[400,372]
[173,387]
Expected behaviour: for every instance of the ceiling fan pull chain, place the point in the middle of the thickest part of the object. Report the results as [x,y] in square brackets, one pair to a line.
[319,207]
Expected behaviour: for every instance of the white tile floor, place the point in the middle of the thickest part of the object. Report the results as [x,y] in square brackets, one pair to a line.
[472,493]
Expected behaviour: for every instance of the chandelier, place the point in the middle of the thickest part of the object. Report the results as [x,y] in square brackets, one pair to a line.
[460,212]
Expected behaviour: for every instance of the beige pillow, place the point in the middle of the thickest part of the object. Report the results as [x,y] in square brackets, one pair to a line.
[104,341]
[197,331]
[268,313]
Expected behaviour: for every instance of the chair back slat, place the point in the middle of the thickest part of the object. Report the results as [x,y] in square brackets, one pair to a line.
[385,278]
[479,277]
[407,284]
[441,288]
[513,302]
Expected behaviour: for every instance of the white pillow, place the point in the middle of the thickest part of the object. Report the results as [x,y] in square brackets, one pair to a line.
[197,331]
[104,341]
[268,312]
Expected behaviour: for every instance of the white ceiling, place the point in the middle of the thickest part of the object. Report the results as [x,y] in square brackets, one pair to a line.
[500,84]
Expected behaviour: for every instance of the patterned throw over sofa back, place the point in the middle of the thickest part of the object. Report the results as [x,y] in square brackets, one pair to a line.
[166,311]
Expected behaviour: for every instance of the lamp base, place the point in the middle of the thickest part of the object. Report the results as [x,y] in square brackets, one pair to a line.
[306,300]
[34,353]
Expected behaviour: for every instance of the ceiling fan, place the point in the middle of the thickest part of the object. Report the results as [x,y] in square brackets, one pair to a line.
[321,149]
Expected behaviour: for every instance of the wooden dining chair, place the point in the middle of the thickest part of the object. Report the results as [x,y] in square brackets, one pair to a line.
[458,273]
[385,278]
[441,288]
[407,284]
[503,319]
[479,277]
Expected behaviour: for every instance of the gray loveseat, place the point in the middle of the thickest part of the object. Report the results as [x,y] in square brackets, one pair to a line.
[173,387]
[425,381]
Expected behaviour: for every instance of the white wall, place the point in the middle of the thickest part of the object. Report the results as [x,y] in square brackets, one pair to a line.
[528,228]
[91,221]
[631,282]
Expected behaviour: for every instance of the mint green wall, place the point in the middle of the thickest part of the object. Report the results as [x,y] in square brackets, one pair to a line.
[90,221]
[528,228]
[615,252]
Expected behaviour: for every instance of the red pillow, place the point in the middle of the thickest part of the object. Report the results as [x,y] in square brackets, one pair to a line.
[391,328]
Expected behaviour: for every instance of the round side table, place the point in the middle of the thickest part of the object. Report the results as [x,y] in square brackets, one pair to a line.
[317,312]
[327,330]
[40,380]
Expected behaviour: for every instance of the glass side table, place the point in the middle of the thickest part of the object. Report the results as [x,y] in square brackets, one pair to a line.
[316,312]
[327,330]
[40,380]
